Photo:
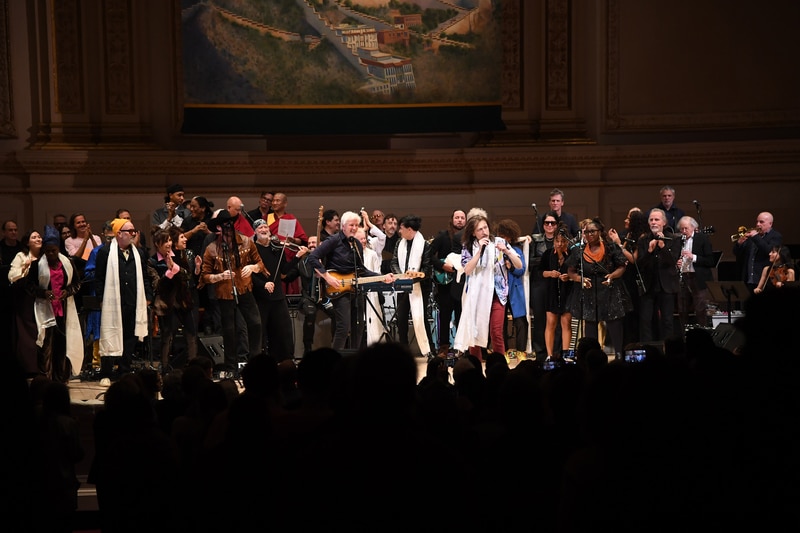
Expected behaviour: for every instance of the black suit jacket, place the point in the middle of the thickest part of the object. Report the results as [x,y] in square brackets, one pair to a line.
[659,268]
[760,245]
[701,247]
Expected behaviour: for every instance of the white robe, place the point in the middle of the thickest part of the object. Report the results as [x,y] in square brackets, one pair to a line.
[374,311]
[476,301]
[415,299]
[43,312]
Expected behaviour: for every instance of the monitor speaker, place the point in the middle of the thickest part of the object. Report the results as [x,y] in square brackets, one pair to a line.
[728,337]
[213,347]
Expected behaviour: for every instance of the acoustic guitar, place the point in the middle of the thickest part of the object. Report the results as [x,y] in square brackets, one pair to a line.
[349,281]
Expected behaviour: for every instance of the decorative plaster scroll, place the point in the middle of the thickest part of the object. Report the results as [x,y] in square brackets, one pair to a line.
[512,41]
[67,53]
[558,78]
[7,127]
[118,57]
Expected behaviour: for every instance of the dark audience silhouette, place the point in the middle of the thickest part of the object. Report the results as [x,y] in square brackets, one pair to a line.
[698,437]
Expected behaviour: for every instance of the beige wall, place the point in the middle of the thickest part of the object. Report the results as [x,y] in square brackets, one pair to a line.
[607,100]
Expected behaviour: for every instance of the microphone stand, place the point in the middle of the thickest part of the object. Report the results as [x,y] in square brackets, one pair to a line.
[580,328]
[538,228]
[357,294]
[699,215]
[252,222]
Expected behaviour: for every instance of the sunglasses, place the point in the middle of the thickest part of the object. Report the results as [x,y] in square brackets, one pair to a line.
[550,222]
[131,231]
[590,231]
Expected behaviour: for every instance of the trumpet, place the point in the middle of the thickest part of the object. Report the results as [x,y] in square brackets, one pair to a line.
[741,233]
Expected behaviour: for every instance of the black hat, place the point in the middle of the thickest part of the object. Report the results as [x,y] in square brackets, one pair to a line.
[176,187]
[221,217]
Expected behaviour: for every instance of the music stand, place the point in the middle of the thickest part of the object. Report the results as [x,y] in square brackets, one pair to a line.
[728,291]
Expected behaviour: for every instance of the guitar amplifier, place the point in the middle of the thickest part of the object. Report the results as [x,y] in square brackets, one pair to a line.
[214,348]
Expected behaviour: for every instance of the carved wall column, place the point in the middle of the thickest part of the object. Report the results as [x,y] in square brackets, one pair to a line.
[91,41]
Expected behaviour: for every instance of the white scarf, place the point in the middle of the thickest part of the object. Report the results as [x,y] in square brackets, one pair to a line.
[111,340]
[526,283]
[476,301]
[415,298]
[45,318]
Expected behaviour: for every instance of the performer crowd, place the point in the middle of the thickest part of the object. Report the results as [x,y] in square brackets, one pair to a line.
[475,287]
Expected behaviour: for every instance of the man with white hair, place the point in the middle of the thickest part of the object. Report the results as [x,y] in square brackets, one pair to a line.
[343,255]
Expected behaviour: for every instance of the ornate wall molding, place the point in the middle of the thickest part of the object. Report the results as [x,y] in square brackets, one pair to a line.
[429,169]
[7,127]
[68,56]
[558,77]
[513,40]
[118,57]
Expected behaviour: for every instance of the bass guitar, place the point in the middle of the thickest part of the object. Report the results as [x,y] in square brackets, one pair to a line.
[349,281]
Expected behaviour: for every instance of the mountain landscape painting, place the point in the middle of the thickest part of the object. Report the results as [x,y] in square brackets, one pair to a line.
[345,53]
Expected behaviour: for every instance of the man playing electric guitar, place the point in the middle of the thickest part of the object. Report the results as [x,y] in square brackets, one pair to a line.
[343,254]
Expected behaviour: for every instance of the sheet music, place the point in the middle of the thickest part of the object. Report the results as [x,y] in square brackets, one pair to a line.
[286,227]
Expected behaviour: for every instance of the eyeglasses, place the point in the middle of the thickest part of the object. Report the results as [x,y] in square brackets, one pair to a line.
[550,222]
[131,231]
[590,231]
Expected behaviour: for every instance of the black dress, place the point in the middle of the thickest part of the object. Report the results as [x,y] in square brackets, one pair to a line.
[557,292]
[600,302]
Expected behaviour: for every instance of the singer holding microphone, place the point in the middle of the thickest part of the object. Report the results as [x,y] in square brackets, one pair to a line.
[483,311]
[658,252]
[229,263]
[599,264]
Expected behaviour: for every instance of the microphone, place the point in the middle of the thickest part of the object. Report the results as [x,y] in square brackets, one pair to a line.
[578,240]
[533,205]
[483,249]
[241,210]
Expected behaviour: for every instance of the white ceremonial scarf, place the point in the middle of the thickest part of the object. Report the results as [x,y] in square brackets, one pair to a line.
[476,301]
[415,298]
[43,312]
[111,341]
[454,260]
[526,283]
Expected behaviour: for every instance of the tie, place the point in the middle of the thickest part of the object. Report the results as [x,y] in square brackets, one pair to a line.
[125,254]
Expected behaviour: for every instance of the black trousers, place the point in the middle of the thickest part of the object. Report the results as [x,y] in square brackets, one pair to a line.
[249,311]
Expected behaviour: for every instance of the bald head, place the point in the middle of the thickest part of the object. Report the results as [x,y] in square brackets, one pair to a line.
[234,205]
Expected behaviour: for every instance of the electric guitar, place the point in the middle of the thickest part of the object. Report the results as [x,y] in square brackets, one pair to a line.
[348,281]
[315,288]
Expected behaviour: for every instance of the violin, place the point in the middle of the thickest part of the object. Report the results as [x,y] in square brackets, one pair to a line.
[278,244]
[778,275]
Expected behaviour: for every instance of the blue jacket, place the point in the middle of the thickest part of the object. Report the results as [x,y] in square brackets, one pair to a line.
[516,288]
